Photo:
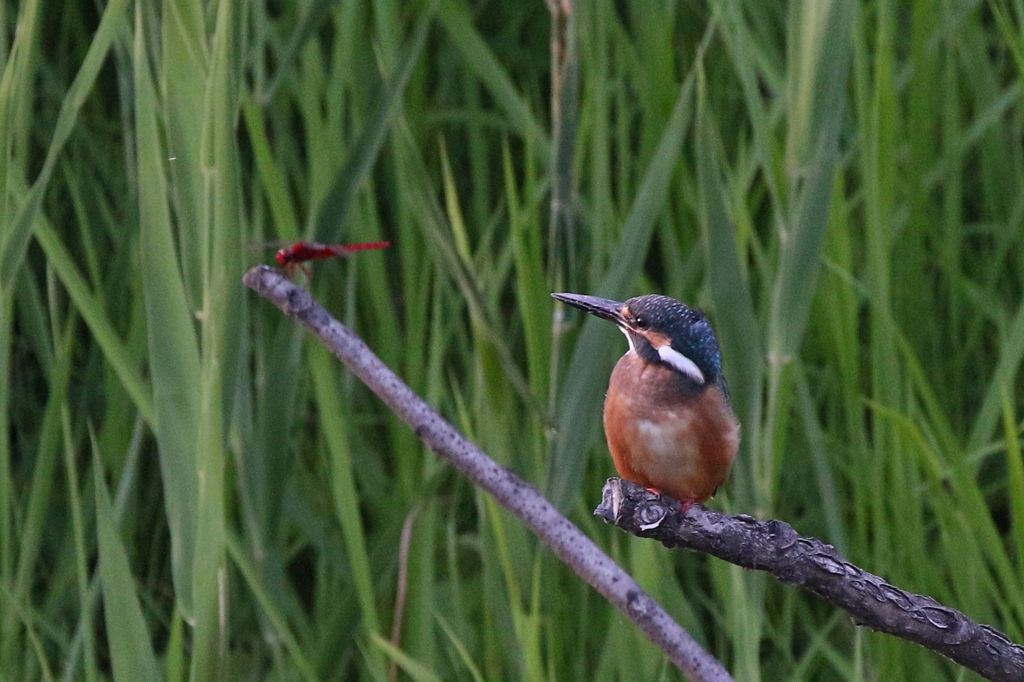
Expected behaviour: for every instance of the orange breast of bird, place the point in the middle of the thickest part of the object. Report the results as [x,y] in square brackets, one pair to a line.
[663,436]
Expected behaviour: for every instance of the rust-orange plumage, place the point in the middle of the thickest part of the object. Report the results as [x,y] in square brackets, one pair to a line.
[667,416]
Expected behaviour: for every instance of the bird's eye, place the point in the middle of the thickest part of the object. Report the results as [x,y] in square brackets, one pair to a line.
[639,322]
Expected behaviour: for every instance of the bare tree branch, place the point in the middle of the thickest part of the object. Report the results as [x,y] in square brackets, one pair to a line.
[775,547]
[556,531]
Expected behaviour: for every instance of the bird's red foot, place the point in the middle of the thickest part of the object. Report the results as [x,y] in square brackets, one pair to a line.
[682,505]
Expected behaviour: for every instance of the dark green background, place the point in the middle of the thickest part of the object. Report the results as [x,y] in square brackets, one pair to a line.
[191,489]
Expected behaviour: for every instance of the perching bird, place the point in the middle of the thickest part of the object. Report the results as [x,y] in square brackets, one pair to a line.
[667,416]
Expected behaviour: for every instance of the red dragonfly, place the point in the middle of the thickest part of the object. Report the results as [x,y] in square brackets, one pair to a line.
[297,254]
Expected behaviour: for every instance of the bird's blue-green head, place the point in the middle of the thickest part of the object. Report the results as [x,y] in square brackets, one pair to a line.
[663,331]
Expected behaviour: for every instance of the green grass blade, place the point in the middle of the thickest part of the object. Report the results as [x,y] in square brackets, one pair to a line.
[831,502]
[413,668]
[286,223]
[15,242]
[173,350]
[460,647]
[363,153]
[438,230]
[263,597]
[1010,356]
[1015,474]
[17,82]
[8,539]
[38,499]
[183,67]
[820,59]
[219,234]
[90,306]
[31,632]
[131,653]
[736,327]
[454,16]
[78,514]
[346,496]
[311,19]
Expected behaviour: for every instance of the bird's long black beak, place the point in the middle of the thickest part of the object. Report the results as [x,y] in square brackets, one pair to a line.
[601,307]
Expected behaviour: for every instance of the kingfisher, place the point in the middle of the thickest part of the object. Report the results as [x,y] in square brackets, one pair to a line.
[667,415]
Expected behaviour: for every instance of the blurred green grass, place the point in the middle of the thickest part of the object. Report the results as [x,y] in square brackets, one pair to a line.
[839,186]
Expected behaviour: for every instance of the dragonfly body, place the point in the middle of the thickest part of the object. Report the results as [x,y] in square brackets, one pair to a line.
[297,254]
